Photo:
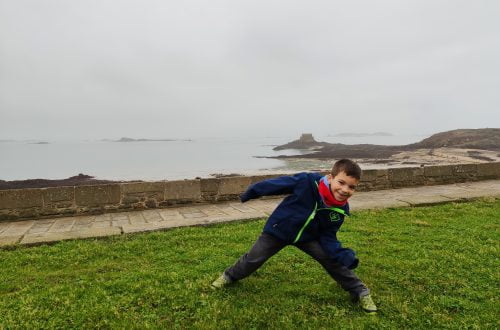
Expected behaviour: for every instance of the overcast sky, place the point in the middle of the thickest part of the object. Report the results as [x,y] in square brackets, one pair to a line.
[186,69]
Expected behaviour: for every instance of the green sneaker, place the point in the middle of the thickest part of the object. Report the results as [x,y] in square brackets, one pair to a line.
[366,302]
[221,281]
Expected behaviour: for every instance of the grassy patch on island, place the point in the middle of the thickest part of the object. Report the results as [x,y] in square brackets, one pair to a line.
[430,267]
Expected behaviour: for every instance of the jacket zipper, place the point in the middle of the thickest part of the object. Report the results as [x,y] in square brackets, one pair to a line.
[305,224]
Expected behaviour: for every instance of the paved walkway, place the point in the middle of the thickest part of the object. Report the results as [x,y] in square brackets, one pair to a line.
[31,232]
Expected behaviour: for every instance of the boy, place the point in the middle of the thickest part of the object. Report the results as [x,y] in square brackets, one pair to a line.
[308,218]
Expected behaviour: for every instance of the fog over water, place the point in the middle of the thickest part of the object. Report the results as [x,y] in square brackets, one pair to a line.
[228,75]
[193,69]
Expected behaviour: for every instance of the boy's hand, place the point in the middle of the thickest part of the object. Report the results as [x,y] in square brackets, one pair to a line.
[354,264]
[244,197]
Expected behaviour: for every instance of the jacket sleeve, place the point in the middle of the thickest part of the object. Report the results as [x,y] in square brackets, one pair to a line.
[334,250]
[276,186]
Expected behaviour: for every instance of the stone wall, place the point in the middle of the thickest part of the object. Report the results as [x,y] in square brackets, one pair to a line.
[64,201]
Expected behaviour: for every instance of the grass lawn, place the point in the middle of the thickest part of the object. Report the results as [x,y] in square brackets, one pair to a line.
[428,267]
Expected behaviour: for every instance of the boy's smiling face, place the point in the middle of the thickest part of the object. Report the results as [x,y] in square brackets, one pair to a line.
[342,186]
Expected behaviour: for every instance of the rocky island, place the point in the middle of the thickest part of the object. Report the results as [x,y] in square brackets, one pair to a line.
[456,146]
[127,139]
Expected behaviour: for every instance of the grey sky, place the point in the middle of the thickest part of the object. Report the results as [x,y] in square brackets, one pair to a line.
[186,69]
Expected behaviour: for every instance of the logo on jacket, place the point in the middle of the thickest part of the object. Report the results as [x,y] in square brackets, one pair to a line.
[334,216]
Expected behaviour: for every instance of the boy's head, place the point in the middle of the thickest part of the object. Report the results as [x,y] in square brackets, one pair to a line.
[348,166]
[344,179]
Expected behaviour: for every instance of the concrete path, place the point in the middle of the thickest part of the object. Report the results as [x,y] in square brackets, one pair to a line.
[30,232]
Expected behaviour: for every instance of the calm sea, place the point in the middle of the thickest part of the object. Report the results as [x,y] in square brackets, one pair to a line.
[157,160]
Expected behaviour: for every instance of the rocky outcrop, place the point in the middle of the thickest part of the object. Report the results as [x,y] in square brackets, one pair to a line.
[482,139]
[77,180]
[485,138]
[306,142]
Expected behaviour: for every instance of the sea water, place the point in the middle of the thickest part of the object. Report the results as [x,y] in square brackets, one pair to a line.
[157,160]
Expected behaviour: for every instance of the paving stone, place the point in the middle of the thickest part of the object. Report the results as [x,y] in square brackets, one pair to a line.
[194,215]
[81,226]
[62,225]
[119,216]
[425,199]
[82,220]
[4,226]
[265,206]
[189,210]
[101,224]
[103,217]
[119,223]
[45,222]
[10,240]
[229,210]
[36,230]
[471,194]
[168,215]
[54,237]
[137,228]
[242,207]
[152,216]
[212,210]
[374,200]
[18,228]
[136,218]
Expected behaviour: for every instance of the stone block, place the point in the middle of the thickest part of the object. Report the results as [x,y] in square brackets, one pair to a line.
[143,187]
[233,185]
[209,189]
[57,198]
[406,175]
[183,190]
[143,191]
[130,199]
[374,175]
[209,185]
[97,195]
[21,198]
[58,194]
[488,170]
[438,171]
[465,168]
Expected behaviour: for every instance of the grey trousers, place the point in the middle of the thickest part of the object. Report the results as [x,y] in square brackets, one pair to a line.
[267,245]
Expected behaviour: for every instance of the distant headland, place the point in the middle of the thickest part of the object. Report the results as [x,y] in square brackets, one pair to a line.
[362,134]
[127,139]
[456,146]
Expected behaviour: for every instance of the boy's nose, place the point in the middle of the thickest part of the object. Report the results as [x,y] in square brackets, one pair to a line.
[346,190]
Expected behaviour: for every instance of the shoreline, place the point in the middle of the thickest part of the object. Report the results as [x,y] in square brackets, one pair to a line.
[415,158]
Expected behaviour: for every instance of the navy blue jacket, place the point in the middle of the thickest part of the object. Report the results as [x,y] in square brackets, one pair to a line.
[302,216]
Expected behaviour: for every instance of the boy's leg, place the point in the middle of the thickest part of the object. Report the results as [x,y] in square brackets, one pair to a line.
[341,274]
[264,248]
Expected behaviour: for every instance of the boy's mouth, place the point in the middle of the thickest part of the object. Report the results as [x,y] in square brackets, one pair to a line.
[340,196]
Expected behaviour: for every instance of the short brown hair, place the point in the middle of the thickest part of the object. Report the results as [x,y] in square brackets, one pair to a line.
[348,166]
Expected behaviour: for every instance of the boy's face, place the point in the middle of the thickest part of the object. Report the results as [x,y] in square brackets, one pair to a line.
[342,186]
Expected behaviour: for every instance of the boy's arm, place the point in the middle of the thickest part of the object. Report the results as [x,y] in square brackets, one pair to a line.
[333,248]
[276,186]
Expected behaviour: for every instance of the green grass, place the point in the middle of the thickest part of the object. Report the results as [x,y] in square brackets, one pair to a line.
[428,267]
